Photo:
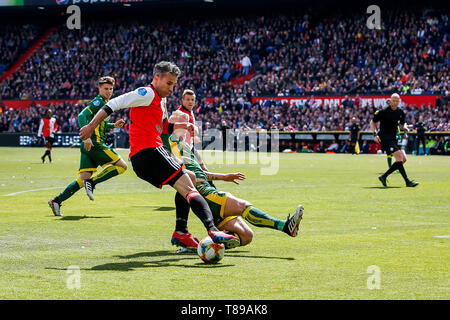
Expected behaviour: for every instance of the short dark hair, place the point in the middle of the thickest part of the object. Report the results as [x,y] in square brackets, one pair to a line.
[107,79]
[163,67]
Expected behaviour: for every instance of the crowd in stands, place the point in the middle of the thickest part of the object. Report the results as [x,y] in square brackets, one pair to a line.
[273,116]
[285,55]
[15,39]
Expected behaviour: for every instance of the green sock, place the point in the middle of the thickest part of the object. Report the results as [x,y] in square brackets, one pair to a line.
[389,159]
[261,219]
[108,173]
[69,190]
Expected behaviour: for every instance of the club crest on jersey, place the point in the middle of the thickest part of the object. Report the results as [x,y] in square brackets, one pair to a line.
[142,91]
[96,103]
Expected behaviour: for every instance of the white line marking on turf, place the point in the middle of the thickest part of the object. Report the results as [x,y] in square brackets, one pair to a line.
[52,188]
[14,193]
[442,237]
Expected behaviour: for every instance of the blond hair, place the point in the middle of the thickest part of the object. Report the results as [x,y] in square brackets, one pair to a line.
[188,92]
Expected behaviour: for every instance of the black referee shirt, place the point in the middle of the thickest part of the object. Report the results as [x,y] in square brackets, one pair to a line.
[354,129]
[389,121]
[420,126]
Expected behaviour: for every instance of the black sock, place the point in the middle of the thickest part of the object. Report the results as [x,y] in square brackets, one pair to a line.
[50,156]
[402,171]
[202,211]
[45,154]
[394,167]
[182,213]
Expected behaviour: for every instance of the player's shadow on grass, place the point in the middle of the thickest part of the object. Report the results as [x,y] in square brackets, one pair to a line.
[172,257]
[77,218]
[157,208]
[168,262]
[233,253]
[381,187]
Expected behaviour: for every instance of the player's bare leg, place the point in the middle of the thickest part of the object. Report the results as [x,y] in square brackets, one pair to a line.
[239,228]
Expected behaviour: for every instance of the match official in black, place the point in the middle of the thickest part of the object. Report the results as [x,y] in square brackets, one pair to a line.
[420,129]
[355,130]
[390,118]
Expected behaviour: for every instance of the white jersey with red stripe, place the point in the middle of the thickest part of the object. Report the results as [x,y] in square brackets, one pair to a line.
[47,127]
[148,115]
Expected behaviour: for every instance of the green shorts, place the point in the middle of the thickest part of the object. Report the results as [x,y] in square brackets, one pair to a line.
[216,201]
[99,155]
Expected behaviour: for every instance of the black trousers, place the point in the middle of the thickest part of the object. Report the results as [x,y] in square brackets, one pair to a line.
[421,139]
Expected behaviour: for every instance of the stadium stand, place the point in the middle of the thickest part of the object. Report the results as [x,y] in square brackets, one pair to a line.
[290,55]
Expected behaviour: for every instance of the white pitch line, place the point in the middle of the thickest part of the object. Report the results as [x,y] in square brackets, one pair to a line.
[442,236]
[52,188]
[14,193]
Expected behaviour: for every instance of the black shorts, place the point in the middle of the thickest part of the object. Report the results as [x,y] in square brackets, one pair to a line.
[157,166]
[48,141]
[389,145]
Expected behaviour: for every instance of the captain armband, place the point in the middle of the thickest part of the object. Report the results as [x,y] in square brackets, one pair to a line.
[107,109]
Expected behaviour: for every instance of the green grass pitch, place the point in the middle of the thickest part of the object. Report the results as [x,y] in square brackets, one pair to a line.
[121,241]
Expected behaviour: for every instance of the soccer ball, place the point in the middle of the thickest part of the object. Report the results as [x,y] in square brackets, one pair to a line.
[209,251]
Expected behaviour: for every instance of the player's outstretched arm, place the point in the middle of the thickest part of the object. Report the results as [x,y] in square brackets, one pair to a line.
[142,96]
[87,130]
[230,177]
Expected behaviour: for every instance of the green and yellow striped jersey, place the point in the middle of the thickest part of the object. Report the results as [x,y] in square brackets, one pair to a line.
[183,152]
[99,135]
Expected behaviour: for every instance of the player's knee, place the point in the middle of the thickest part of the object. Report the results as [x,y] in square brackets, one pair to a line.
[246,237]
[191,176]
[243,204]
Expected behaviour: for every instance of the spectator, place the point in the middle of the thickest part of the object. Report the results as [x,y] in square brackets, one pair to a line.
[438,148]
[334,147]
[246,64]
[365,147]
[321,147]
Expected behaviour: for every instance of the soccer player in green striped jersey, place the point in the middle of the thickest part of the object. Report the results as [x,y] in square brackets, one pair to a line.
[229,212]
[94,151]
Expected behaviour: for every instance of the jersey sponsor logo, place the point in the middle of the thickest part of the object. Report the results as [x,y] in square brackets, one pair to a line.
[142,91]
[96,103]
